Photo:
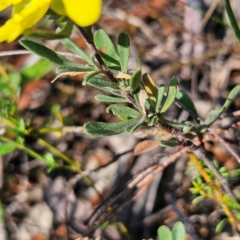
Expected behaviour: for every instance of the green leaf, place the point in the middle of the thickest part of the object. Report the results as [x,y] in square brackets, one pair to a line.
[124,51]
[124,113]
[6,148]
[139,121]
[150,87]
[135,80]
[105,98]
[160,95]
[106,49]
[232,95]
[178,231]
[1,211]
[171,94]
[231,203]
[16,81]
[164,233]
[104,84]
[74,48]
[49,159]
[153,121]
[232,20]
[221,225]
[186,103]
[20,131]
[99,129]
[60,33]
[214,114]
[80,68]
[36,71]
[39,49]
[87,77]
[169,143]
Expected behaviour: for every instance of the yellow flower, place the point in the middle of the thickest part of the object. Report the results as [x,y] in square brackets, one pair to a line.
[26,13]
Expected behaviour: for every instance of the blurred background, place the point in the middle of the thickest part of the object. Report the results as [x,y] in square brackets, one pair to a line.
[189,39]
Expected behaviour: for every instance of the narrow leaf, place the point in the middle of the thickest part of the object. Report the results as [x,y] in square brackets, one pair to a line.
[142,100]
[74,48]
[221,225]
[145,146]
[106,49]
[214,114]
[62,33]
[178,231]
[169,143]
[6,148]
[164,233]
[160,95]
[76,69]
[171,94]
[232,20]
[105,98]
[39,49]
[232,95]
[49,159]
[136,95]
[20,131]
[135,80]
[139,121]
[150,87]
[186,103]
[103,84]
[87,77]
[124,113]
[124,51]
[99,129]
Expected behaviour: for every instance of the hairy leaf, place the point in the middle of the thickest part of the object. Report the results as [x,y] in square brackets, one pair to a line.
[171,94]
[74,48]
[106,49]
[124,113]
[139,121]
[168,143]
[87,77]
[104,84]
[160,95]
[105,98]
[150,87]
[214,114]
[135,80]
[76,69]
[39,49]
[186,103]
[124,51]
[99,129]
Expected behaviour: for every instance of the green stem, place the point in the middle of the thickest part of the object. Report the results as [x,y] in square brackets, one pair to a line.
[26,149]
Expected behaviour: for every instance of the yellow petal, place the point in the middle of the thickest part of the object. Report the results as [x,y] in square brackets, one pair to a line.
[7,3]
[83,12]
[25,15]
[31,12]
